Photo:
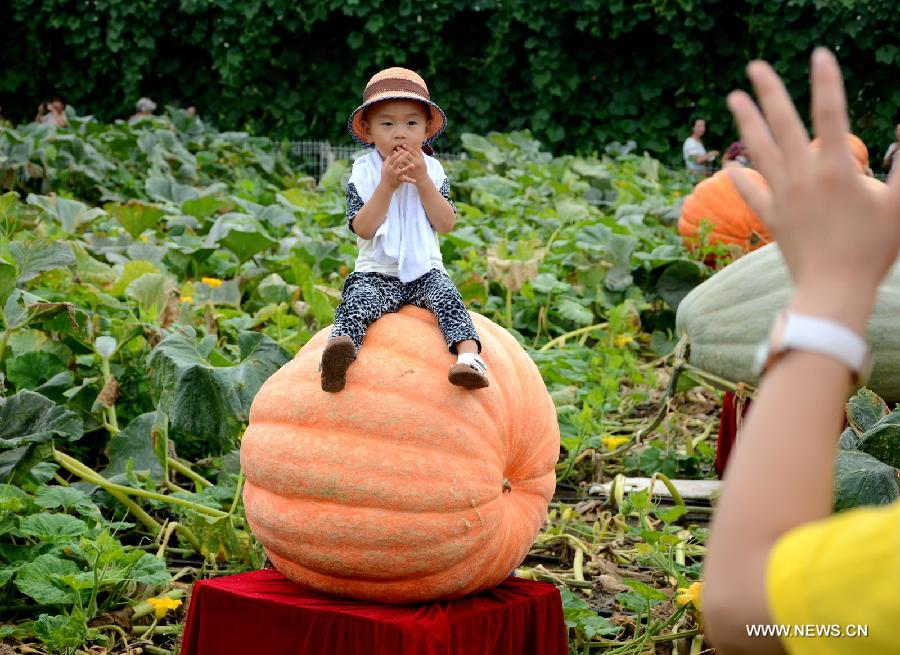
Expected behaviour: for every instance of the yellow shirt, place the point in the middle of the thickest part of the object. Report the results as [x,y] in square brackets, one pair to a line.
[839,578]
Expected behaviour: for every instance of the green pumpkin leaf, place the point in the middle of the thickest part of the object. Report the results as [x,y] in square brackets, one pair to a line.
[149,570]
[61,633]
[882,440]
[153,292]
[165,189]
[28,418]
[241,234]
[206,400]
[205,206]
[619,277]
[133,447]
[23,308]
[41,580]
[35,257]
[677,280]
[31,369]
[863,480]
[52,528]
[7,279]
[849,440]
[13,499]
[70,214]
[135,216]
[645,590]
[574,311]
[67,499]
[273,289]
[865,409]
[130,272]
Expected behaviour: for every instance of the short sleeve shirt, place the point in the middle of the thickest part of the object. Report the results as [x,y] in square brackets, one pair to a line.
[840,575]
[691,148]
[365,262]
[355,203]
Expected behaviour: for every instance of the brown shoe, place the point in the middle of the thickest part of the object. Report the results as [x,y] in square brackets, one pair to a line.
[336,359]
[469,377]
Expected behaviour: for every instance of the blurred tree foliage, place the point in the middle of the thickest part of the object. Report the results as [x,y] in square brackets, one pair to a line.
[578,73]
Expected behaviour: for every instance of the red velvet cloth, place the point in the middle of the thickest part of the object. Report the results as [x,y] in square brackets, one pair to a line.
[727,429]
[264,612]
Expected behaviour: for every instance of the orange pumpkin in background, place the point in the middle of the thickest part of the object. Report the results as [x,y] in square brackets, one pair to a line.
[857,147]
[401,488]
[717,201]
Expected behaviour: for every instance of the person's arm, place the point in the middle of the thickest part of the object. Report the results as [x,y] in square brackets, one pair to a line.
[374,212]
[839,237]
[440,213]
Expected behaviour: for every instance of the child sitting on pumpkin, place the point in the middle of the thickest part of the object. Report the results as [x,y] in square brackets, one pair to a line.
[398,199]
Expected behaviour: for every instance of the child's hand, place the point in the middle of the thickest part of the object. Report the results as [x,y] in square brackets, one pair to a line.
[392,170]
[838,234]
[414,164]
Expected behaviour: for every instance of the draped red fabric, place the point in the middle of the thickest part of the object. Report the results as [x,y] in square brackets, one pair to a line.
[263,612]
[728,420]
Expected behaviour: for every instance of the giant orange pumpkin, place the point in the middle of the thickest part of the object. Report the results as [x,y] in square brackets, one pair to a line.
[401,488]
[717,201]
[857,148]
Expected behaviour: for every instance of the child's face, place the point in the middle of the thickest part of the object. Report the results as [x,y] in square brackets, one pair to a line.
[393,122]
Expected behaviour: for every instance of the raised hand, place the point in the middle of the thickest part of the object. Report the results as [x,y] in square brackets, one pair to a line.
[414,167]
[839,232]
[392,170]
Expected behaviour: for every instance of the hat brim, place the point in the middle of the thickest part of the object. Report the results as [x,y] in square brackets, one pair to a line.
[436,127]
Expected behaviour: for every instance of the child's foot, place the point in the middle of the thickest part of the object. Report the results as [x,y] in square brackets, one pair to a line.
[469,372]
[336,359]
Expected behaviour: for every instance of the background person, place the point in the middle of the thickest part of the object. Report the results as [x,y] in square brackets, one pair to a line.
[736,155]
[143,108]
[776,554]
[52,112]
[696,158]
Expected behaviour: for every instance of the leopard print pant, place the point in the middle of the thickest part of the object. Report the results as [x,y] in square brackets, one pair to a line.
[369,296]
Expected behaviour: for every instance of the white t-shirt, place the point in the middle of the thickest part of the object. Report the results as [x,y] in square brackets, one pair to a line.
[365,261]
[691,148]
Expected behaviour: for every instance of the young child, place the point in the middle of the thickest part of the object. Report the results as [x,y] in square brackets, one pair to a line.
[398,199]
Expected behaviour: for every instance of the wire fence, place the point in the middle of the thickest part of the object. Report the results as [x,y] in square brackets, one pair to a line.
[314,157]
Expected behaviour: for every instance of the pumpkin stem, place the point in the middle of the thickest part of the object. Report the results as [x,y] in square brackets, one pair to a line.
[507,487]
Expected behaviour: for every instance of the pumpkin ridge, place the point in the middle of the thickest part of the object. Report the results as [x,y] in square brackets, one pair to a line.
[411,590]
[469,506]
[392,574]
[420,449]
[473,426]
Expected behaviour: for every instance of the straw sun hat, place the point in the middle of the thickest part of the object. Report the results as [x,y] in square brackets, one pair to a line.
[396,84]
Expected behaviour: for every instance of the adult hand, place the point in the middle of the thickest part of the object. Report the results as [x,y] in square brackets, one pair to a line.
[392,169]
[414,164]
[839,234]
[712,154]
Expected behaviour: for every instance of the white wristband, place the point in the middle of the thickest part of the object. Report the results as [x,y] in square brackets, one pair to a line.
[794,331]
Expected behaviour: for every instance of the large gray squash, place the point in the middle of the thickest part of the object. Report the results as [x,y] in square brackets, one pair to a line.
[727,317]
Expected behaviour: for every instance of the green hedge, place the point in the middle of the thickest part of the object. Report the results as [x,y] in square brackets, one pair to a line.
[578,73]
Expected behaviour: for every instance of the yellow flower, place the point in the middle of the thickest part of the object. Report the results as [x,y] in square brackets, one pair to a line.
[214,282]
[611,443]
[162,605]
[144,238]
[692,595]
[187,299]
[621,340]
